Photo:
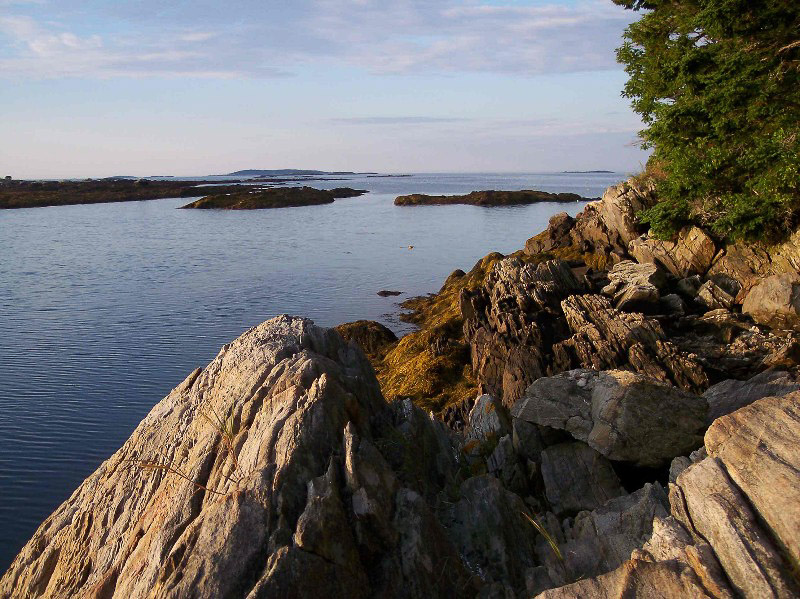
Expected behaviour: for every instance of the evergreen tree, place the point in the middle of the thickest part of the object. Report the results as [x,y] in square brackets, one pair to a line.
[717,83]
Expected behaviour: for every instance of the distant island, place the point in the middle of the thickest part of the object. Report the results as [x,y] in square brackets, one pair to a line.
[588,172]
[286,172]
[33,194]
[489,198]
[278,197]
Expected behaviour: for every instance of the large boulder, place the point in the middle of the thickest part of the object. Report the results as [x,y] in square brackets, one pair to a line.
[277,470]
[604,338]
[690,254]
[775,301]
[623,415]
[634,287]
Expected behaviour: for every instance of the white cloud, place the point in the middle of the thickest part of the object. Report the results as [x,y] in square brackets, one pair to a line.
[249,38]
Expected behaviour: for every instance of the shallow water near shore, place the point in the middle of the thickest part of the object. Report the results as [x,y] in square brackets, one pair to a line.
[104,308]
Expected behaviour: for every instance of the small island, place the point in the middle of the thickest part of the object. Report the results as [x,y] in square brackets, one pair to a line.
[276,197]
[490,198]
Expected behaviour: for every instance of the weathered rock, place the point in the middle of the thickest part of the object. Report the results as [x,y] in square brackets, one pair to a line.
[504,463]
[758,447]
[577,478]
[637,578]
[634,287]
[690,286]
[719,513]
[269,511]
[607,226]
[605,338]
[623,415]
[748,263]
[691,253]
[555,236]
[487,419]
[730,395]
[511,322]
[601,540]
[714,297]
[495,539]
[775,301]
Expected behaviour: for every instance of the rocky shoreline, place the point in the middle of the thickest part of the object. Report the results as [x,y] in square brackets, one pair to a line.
[601,414]
[489,198]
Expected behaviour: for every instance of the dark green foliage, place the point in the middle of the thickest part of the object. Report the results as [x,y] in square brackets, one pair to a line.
[717,83]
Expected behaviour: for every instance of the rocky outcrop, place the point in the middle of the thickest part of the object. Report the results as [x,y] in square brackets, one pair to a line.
[748,263]
[690,254]
[775,301]
[624,416]
[609,225]
[277,469]
[606,338]
[489,198]
[733,529]
[274,197]
[555,236]
[512,320]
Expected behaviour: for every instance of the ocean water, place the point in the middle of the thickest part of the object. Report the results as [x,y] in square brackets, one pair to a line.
[104,308]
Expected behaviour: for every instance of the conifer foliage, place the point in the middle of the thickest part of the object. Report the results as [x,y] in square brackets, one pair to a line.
[717,83]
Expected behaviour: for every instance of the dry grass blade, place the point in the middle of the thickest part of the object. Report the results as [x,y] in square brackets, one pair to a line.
[225,428]
[547,536]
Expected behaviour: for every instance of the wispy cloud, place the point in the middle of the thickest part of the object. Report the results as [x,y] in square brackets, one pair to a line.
[248,38]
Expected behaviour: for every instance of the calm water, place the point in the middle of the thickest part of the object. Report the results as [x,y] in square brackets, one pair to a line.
[105,308]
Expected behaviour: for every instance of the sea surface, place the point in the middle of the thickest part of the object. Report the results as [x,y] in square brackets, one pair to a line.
[105,308]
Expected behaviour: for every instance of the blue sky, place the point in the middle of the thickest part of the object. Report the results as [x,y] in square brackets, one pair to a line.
[145,87]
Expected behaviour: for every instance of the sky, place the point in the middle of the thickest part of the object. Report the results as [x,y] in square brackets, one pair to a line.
[92,88]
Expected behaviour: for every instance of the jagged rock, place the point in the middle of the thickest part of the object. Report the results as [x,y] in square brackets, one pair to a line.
[623,415]
[633,286]
[786,355]
[493,536]
[510,322]
[555,236]
[714,297]
[717,512]
[506,466]
[722,324]
[775,301]
[601,540]
[607,226]
[487,419]
[734,527]
[577,478]
[730,395]
[637,578]
[286,515]
[691,253]
[605,338]
[748,263]
[758,447]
